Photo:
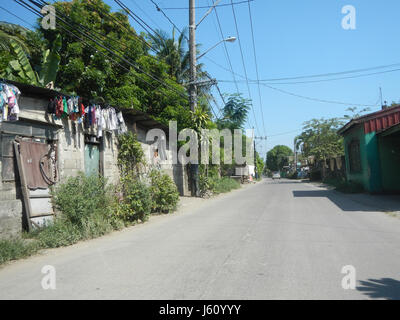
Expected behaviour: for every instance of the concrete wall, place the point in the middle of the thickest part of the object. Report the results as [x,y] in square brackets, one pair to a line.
[70,140]
[178,172]
[10,218]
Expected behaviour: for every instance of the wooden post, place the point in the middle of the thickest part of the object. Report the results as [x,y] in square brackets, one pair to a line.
[24,188]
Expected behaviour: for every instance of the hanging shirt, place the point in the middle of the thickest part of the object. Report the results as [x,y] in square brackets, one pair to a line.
[70,106]
[113,119]
[121,124]
[59,108]
[65,107]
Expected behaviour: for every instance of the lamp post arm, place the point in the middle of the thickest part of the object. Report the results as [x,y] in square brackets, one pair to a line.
[203,54]
[208,12]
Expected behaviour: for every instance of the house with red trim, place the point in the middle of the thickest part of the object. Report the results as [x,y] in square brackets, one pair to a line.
[372,150]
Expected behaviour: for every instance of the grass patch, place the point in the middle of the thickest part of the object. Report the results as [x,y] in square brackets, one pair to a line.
[89,208]
[225,185]
[393,214]
[17,248]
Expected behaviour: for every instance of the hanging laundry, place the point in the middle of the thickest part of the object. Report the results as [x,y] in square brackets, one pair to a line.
[9,96]
[113,119]
[101,124]
[121,124]
[59,108]
[65,107]
[70,106]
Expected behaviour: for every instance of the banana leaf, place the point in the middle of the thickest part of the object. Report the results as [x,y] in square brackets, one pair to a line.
[22,65]
[51,62]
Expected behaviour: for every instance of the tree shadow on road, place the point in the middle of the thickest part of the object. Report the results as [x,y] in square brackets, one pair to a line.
[385,288]
[354,202]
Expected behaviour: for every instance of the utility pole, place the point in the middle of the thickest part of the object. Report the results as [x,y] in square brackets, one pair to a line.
[192,53]
[257,174]
[194,168]
[255,159]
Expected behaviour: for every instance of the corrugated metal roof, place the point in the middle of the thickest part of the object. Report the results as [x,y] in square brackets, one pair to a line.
[375,122]
[382,122]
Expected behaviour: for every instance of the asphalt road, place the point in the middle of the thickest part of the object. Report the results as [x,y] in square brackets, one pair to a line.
[273,240]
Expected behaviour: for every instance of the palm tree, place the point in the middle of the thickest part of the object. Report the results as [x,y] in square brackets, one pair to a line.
[175,53]
[235,112]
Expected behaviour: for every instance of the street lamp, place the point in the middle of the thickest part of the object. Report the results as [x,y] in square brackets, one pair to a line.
[193,75]
[229,39]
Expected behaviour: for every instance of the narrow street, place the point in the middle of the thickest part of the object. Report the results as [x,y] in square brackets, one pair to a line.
[273,240]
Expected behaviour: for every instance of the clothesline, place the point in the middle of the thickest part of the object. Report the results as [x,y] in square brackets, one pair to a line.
[105,118]
[62,106]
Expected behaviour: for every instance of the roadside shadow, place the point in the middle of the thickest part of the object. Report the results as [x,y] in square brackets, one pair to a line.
[385,288]
[353,202]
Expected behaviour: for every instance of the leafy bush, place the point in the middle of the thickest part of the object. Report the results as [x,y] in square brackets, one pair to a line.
[137,200]
[206,185]
[130,153]
[86,207]
[81,197]
[164,192]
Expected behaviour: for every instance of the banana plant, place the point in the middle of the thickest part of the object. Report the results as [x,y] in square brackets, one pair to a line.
[20,68]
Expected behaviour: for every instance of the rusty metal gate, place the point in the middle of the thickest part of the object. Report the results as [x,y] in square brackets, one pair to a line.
[37,168]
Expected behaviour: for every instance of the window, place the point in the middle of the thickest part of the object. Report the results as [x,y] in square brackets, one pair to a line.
[354,156]
[7,154]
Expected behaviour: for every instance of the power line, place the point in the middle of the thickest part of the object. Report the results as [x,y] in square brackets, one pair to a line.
[170,21]
[86,35]
[317,99]
[135,17]
[226,49]
[256,64]
[208,7]
[244,65]
[332,73]
[323,80]
[18,17]
[144,12]
[124,27]
[184,35]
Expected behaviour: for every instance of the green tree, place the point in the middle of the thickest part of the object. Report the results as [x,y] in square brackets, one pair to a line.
[130,78]
[234,113]
[277,157]
[320,138]
[259,165]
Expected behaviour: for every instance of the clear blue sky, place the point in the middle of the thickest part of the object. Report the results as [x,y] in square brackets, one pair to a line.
[293,38]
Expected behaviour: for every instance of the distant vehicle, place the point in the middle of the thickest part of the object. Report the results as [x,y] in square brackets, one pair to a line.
[276,175]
